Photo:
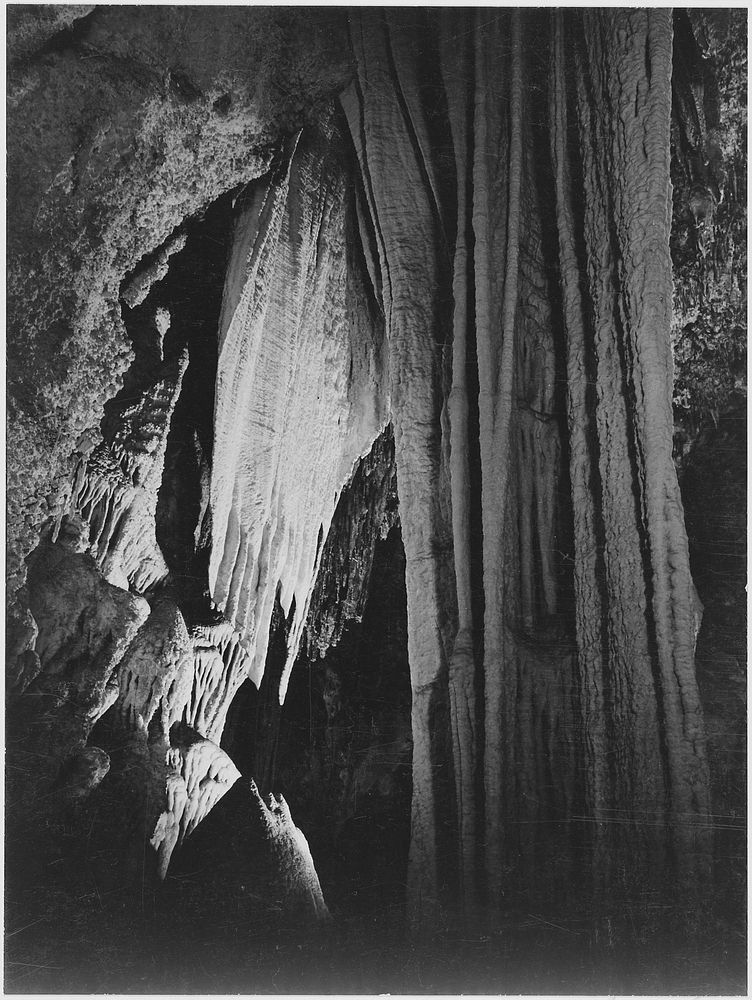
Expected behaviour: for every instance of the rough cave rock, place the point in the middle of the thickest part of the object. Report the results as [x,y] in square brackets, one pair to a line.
[286,286]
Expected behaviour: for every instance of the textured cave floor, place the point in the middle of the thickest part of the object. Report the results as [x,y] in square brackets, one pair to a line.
[110,951]
[77,927]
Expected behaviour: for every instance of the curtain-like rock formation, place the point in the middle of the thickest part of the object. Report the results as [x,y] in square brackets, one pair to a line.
[298,392]
[633,691]
[449,233]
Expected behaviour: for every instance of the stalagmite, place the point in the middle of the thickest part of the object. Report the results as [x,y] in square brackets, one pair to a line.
[115,488]
[301,894]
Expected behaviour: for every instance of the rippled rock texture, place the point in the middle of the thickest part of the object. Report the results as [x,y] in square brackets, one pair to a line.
[341,373]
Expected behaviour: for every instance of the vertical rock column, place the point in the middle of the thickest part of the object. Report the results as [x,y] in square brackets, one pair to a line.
[588,570]
[496,317]
[462,668]
[622,62]
[393,148]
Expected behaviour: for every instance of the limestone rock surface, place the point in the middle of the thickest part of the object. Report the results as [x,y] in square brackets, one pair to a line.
[118,131]
[84,626]
[115,488]
[219,667]
[155,674]
[302,897]
[298,397]
[199,773]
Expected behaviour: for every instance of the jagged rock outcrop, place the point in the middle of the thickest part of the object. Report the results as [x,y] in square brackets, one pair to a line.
[115,488]
[175,689]
[83,628]
[154,115]
[709,226]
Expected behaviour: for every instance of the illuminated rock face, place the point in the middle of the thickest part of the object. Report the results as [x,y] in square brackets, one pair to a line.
[123,122]
[155,676]
[298,395]
[198,775]
[79,628]
[219,667]
[440,254]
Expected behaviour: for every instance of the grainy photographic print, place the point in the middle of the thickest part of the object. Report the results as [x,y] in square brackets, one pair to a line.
[376,500]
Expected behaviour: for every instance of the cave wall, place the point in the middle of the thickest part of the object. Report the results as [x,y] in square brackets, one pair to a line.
[708,237]
[457,224]
[123,122]
[127,127]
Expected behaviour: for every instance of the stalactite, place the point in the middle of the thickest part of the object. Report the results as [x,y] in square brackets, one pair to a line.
[220,665]
[284,311]
[366,512]
[198,774]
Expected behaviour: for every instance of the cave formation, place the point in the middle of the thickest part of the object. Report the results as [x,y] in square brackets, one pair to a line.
[355,360]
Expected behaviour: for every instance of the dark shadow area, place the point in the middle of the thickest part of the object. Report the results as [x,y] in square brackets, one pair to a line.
[340,747]
[714,494]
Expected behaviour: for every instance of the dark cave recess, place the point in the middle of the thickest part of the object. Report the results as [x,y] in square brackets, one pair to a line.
[340,747]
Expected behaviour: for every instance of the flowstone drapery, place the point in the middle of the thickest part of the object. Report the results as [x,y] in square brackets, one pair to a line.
[259,264]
